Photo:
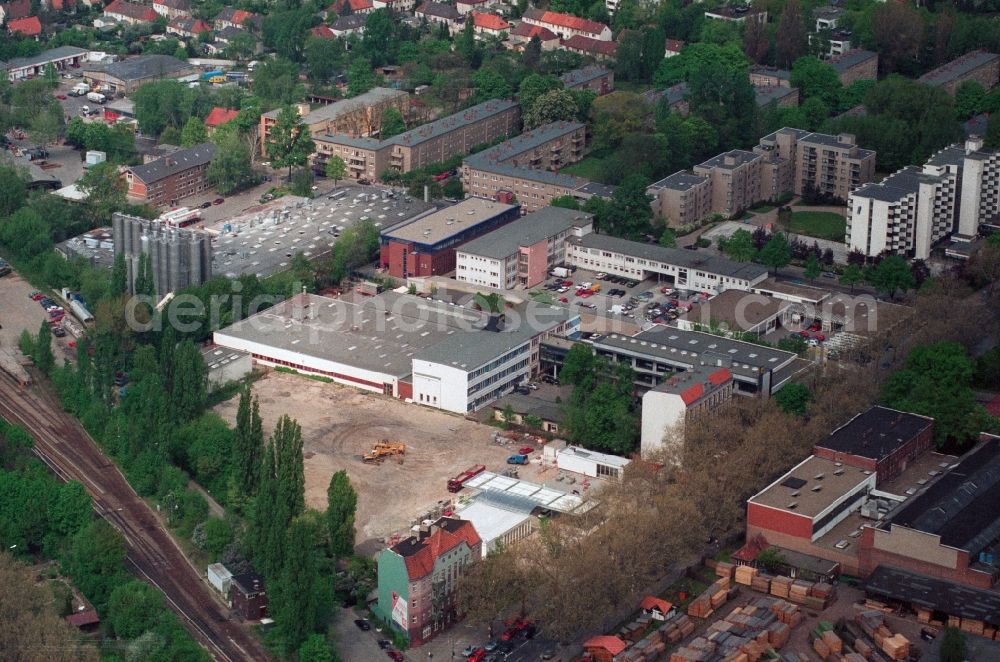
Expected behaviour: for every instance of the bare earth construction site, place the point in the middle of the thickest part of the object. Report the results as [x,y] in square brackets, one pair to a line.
[340,424]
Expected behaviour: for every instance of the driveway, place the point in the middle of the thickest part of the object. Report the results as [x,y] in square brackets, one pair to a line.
[354,644]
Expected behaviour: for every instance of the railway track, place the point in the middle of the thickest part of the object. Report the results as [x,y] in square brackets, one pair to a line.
[69,452]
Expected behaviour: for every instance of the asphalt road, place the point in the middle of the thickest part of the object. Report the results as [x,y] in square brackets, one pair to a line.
[63,444]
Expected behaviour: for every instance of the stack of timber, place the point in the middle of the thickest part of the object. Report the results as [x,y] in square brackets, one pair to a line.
[651,647]
[872,622]
[711,599]
[748,634]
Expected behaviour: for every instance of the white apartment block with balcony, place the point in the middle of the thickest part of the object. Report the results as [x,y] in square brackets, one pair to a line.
[914,209]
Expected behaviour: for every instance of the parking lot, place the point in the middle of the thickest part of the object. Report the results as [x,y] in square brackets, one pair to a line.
[18,312]
[340,424]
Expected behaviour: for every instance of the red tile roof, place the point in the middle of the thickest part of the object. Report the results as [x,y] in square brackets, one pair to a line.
[748,552]
[322,31]
[527,30]
[489,21]
[59,5]
[613,645]
[659,604]
[691,394]
[720,377]
[420,558]
[220,116]
[674,45]
[18,9]
[592,46]
[29,27]
[188,24]
[356,5]
[131,10]
[567,21]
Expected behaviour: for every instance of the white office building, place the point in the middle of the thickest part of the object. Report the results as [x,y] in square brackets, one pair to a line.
[685,269]
[913,209]
[521,253]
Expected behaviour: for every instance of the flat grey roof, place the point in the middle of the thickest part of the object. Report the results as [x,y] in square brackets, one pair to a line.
[382,334]
[851,58]
[263,238]
[765,95]
[597,189]
[44,57]
[679,181]
[951,155]
[763,70]
[494,159]
[894,187]
[692,347]
[837,480]
[332,111]
[934,594]
[442,224]
[958,67]
[729,307]
[876,433]
[142,67]
[526,231]
[672,256]
[719,161]
[674,94]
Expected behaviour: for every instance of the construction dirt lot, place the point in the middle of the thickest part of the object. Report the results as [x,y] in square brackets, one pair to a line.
[340,424]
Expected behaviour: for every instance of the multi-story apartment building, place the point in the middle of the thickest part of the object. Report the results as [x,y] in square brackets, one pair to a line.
[914,208]
[418,576]
[431,143]
[172,178]
[681,198]
[683,397]
[735,180]
[521,253]
[599,80]
[784,162]
[357,117]
[525,168]
[980,66]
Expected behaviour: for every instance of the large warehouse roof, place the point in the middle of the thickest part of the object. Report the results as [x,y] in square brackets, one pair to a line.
[444,223]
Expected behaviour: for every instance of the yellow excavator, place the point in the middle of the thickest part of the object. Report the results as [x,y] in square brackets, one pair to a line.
[383,449]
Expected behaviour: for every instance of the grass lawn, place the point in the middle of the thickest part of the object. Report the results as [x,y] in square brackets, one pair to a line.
[591,168]
[541,296]
[818,224]
[761,209]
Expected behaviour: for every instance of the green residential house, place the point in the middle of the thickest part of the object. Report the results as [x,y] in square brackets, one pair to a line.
[417,578]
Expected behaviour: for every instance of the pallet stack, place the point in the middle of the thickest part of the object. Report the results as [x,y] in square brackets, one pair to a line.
[761,582]
[781,587]
[798,591]
[711,599]
[744,574]
[724,570]
[787,613]
[895,646]
[748,634]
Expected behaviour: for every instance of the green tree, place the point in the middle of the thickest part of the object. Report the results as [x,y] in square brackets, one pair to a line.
[133,608]
[249,443]
[791,40]
[952,647]
[535,85]
[393,123]
[892,274]
[119,277]
[144,283]
[105,190]
[287,440]
[357,245]
[218,535]
[565,201]
[315,649]
[740,247]
[295,591]
[668,239]
[46,126]
[190,381]
[816,78]
[793,399]
[289,143]
[852,275]
[936,381]
[813,269]
[776,252]
[194,133]
[490,84]
[969,99]
[230,169]
[992,138]
[336,169]
[276,81]
[95,561]
[270,519]
[342,502]
[579,365]
[554,106]
[13,189]
[360,77]
[322,58]
[43,349]
[628,213]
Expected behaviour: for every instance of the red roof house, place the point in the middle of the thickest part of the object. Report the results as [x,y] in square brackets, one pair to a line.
[219,116]
[587,46]
[356,7]
[84,620]
[603,648]
[130,12]
[656,606]
[523,32]
[490,24]
[29,27]
[16,9]
[747,554]
[567,25]
[322,31]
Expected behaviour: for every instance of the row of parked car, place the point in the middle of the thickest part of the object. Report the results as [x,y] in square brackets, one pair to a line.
[56,312]
[500,648]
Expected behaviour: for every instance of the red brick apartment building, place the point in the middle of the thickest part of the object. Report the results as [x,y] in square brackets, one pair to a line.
[165,181]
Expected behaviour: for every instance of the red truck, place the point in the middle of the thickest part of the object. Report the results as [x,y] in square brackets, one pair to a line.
[458,482]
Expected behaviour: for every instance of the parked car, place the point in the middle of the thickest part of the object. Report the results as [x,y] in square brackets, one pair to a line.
[526,450]
[563,300]
[58,331]
[218,201]
[206,205]
[395,655]
[477,655]
[363,624]
[517,459]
